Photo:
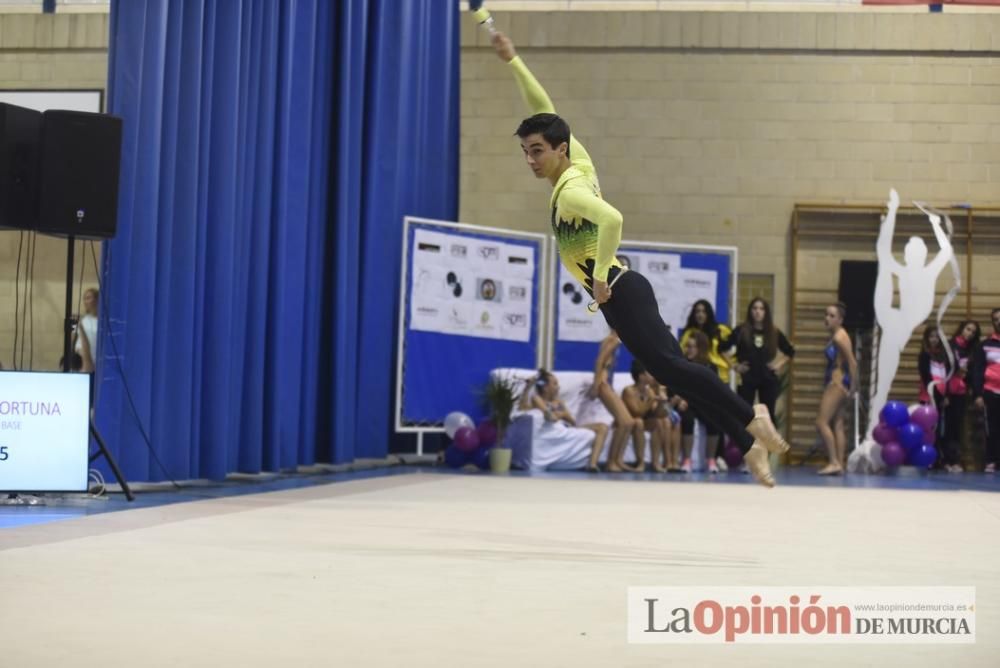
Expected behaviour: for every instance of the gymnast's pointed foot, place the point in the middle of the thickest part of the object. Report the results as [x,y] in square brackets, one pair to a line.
[764,432]
[757,461]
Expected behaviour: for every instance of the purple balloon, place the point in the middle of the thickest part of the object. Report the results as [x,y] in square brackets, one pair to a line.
[883,433]
[910,436]
[487,432]
[466,439]
[895,414]
[733,456]
[926,417]
[893,454]
[924,456]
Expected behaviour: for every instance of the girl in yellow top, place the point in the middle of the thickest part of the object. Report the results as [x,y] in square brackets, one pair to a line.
[702,318]
[588,231]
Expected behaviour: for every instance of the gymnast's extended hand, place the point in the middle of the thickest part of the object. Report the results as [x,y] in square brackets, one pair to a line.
[503,46]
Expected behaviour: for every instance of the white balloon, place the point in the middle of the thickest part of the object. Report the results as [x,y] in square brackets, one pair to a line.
[455,421]
[912,407]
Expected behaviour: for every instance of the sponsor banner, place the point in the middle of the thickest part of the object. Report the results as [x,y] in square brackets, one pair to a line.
[802,615]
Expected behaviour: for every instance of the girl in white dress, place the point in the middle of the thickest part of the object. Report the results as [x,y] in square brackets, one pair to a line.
[559,443]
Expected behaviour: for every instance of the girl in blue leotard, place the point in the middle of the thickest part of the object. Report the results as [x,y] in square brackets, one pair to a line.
[841,378]
[832,365]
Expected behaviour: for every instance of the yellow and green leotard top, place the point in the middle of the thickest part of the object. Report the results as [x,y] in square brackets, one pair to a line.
[587,229]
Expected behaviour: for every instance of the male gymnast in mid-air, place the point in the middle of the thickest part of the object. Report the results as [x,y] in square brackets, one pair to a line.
[588,231]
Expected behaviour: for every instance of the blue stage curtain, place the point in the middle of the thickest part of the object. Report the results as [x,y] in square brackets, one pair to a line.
[397,154]
[248,301]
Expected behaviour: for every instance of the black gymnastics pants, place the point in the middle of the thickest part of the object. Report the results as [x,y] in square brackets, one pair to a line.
[766,388]
[992,402]
[949,427]
[633,313]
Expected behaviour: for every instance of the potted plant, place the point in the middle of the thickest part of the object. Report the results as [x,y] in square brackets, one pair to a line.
[500,396]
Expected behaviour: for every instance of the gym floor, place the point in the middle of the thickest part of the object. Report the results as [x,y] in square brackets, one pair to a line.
[420,566]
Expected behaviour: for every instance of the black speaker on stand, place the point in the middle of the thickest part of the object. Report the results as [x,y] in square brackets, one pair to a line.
[79,168]
[80,163]
[19,131]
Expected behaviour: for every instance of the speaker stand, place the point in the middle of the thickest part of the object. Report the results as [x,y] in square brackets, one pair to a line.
[102,449]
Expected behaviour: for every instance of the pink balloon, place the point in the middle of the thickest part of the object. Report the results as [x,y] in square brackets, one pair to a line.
[487,432]
[883,433]
[893,454]
[925,417]
[466,439]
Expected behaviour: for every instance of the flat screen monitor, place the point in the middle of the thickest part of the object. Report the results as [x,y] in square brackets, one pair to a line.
[44,431]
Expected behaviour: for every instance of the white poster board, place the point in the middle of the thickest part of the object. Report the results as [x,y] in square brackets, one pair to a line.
[44,431]
[676,289]
[471,287]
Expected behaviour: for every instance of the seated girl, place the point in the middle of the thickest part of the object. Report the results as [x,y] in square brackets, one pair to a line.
[559,443]
[648,401]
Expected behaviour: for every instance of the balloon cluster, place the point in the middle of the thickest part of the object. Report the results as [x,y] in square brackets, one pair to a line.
[907,436]
[470,444]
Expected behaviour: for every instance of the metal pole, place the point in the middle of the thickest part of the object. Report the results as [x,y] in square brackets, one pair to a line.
[68,319]
[792,290]
[968,265]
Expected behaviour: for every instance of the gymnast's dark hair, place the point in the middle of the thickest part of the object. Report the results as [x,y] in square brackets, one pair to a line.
[711,327]
[551,126]
[937,353]
[701,341]
[543,379]
[971,343]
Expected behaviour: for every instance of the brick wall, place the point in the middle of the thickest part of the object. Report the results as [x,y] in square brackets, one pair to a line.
[706,127]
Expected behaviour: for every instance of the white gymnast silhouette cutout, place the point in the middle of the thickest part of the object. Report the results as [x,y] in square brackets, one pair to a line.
[916,297]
